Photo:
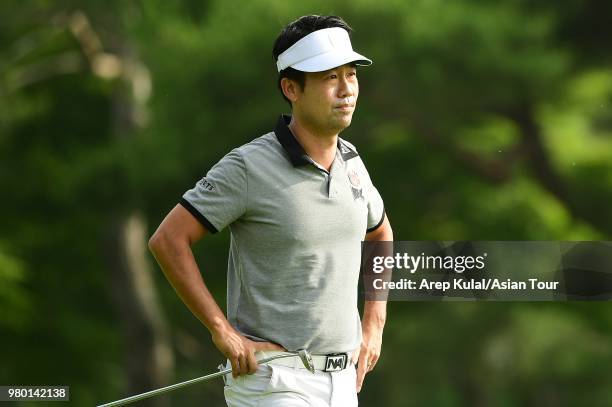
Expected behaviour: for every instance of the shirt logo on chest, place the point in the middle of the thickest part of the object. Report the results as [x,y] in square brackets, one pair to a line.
[356,187]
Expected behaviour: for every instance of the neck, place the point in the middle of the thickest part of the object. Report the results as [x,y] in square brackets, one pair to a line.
[319,146]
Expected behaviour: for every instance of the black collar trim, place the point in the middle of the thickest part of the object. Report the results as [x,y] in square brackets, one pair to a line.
[296,152]
[297,155]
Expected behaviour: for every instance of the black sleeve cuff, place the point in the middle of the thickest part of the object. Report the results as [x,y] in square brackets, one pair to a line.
[196,214]
[380,222]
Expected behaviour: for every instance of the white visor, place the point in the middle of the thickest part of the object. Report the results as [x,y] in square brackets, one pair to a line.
[321,50]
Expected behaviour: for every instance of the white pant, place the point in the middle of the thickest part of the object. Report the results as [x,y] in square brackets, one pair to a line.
[281,386]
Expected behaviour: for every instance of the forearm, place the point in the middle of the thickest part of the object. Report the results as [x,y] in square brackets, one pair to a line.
[180,268]
[375,312]
[374,315]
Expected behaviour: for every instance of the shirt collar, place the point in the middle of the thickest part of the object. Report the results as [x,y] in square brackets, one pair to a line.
[294,149]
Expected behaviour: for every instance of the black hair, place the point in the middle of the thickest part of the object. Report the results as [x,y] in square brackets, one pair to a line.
[294,32]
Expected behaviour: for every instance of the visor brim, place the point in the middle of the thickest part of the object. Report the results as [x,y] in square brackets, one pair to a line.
[329,60]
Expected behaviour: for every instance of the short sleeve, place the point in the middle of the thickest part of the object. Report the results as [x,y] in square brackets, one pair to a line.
[376,209]
[220,197]
[376,206]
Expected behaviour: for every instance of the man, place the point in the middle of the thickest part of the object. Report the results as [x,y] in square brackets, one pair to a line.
[298,202]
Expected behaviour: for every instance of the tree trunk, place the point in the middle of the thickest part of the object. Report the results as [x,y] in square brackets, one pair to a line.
[148,358]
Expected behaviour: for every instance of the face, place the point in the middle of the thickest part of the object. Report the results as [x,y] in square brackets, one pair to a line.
[323,105]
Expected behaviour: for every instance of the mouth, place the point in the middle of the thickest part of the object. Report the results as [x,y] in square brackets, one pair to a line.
[345,107]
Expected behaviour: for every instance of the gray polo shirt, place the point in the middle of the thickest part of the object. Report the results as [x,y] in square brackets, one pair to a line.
[296,232]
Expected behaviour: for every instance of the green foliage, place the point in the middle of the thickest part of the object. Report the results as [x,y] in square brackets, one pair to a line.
[13,295]
[442,123]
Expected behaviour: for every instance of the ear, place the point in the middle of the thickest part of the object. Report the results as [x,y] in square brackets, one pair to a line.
[291,89]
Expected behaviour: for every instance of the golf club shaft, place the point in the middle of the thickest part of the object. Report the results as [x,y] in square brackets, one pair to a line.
[166,389]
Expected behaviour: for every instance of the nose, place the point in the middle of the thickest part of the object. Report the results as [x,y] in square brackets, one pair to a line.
[346,88]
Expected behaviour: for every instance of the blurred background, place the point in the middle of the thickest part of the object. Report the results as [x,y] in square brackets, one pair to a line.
[478,121]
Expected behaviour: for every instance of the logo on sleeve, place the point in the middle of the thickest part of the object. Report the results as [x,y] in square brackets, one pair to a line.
[206,184]
[356,187]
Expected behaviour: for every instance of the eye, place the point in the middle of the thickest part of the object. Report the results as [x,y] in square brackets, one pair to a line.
[332,76]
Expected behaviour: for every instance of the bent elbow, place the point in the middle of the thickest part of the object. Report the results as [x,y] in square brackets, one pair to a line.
[156,241]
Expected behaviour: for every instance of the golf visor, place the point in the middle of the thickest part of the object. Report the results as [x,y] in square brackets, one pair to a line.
[321,50]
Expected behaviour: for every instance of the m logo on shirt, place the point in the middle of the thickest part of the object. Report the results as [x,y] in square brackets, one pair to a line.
[206,185]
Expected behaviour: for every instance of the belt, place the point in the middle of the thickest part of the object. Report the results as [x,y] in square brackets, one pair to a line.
[334,362]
